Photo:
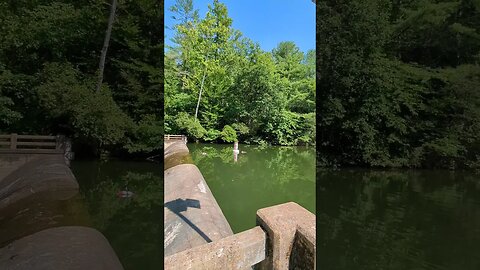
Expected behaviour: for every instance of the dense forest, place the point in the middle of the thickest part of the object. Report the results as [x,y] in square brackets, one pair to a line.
[398,83]
[50,52]
[221,86]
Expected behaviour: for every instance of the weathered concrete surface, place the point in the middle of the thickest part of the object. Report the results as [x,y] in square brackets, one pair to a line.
[192,216]
[197,235]
[11,162]
[38,198]
[167,143]
[303,251]
[291,237]
[173,148]
[177,159]
[37,213]
[42,174]
[60,248]
[237,252]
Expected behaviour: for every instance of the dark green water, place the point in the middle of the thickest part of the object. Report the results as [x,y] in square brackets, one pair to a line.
[133,226]
[261,177]
[398,220]
[366,219]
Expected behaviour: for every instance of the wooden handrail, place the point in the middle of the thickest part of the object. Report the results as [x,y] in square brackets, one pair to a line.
[39,137]
[31,142]
[169,137]
[174,136]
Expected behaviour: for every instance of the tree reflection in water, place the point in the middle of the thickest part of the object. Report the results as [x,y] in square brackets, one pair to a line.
[133,226]
[398,219]
[261,177]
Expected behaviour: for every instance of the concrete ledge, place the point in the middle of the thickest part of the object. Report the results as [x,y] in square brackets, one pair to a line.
[291,237]
[177,159]
[192,216]
[9,162]
[32,215]
[303,252]
[44,174]
[175,147]
[285,240]
[239,251]
[73,248]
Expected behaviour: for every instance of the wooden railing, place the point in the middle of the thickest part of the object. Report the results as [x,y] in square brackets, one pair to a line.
[175,138]
[32,143]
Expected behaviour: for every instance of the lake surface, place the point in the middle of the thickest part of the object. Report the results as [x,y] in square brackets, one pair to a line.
[398,220]
[260,177]
[133,226]
[366,219]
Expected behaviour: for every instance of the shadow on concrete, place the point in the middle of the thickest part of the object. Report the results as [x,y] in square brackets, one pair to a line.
[179,205]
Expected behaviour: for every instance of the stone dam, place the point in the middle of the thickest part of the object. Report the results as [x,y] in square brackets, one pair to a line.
[198,236]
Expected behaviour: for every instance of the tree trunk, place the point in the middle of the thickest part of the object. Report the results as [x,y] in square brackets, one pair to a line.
[106,42]
[200,93]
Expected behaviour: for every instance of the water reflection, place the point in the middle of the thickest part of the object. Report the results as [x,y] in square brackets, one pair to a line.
[260,177]
[133,226]
[398,220]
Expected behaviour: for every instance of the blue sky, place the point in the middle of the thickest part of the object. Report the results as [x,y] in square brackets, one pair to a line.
[267,22]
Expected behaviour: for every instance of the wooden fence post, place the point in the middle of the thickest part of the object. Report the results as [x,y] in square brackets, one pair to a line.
[13,141]
[59,142]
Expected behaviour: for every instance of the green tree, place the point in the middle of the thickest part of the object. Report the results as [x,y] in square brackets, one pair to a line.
[49,54]
[396,80]
[227,80]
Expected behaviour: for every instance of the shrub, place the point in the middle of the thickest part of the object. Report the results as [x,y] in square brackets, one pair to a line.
[228,134]
[189,125]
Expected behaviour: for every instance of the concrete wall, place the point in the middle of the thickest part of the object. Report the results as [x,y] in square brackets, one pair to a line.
[192,215]
[292,239]
[176,153]
[38,175]
[11,162]
[73,248]
[236,252]
[172,148]
[38,204]
[197,235]
[284,240]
